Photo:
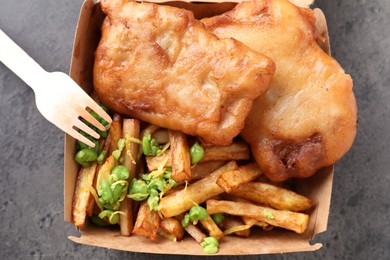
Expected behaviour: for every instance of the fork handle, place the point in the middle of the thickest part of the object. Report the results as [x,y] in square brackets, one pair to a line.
[20,62]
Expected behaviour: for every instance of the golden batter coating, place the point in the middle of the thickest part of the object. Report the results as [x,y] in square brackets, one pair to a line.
[159,64]
[307,119]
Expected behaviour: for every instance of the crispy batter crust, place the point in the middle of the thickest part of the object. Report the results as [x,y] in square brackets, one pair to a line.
[307,119]
[159,64]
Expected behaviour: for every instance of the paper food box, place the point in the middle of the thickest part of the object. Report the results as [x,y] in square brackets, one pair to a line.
[318,187]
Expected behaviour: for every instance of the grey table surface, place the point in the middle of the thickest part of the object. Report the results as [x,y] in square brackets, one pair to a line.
[31,149]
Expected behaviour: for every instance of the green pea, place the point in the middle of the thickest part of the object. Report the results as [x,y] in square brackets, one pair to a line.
[210,249]
[167,175]
[153,201]
[102,201]
[81,145]
[108,206]
[146,144]
[99,118]
[121,143]
[186,221]
[157,183]
[198,213]
[105,213]
[117,192]
[104,107]
[138,190]
[196,153]
[101,157]
[210,245]
[85,156]
[105,192]
[218,218]
[98,221]
[172,183]
[103,134]
[146,177]
[121,172]
[115,205]
[113,219]
[150,146]
[112,178]
[116,154]
[210,241]
[95,115]
[153,192]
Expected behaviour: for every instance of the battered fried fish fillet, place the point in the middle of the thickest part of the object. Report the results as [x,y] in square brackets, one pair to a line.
[159,64]
[307,119]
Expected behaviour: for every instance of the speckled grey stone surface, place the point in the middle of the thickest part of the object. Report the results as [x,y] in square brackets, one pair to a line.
[31,157]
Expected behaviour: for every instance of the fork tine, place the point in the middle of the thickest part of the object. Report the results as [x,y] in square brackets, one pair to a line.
[87,116]
[100,111]
[75,134]
[83,127]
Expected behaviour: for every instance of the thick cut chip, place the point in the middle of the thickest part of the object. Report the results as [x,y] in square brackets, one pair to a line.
[233,179]
[180,157]
[172,227]
[181,201]
[307,118]
[274,196]
[147,223]
[236,226]
[131,129]
[280,218]
[212,228]
[82,194]
[159,64]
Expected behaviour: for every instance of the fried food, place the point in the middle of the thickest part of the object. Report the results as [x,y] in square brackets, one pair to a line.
[159,64]
[307,119]
[280,218]
[274,196]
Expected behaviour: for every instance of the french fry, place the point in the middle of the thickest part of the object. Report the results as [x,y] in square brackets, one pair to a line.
[198,192]
[154,162]
[147,223]
[254,222]
[193,230]
[248,220]
[212,228]
[180,156]
[115,132]
[105,170]
[82,194]
[233,179]
[280,218]
[230,224]
[274,196]
[235,151]
[131,129]
[264,226]
[172,227]
[91,200]
[202,169]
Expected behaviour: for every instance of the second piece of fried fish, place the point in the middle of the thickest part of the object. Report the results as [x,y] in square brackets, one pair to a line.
[307,118]
[159,64]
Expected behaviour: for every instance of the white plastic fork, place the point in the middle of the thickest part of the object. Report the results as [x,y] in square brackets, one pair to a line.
[58,97]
